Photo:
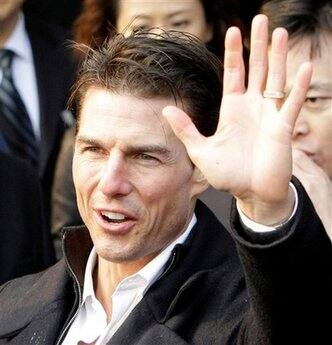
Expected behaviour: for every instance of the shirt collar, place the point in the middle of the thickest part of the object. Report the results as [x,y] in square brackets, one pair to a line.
[19,41]
[148,274]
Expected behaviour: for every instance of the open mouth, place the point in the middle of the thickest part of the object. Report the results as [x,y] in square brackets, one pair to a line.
[113,217]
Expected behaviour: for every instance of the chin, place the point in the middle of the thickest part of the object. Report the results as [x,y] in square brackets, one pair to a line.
[117,255]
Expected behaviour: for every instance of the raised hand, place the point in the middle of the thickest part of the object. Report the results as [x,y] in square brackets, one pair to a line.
[250,154]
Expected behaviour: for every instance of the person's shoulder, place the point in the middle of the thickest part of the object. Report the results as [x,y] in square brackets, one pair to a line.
[16,287]
[54,32]
[51,46]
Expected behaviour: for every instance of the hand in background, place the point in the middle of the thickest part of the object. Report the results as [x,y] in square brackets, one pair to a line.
[318,186]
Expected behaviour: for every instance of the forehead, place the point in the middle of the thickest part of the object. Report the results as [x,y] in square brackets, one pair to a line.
[112,117]
[302,50]
[154,7]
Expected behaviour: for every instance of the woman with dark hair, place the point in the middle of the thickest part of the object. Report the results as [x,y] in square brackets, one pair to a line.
[206,19]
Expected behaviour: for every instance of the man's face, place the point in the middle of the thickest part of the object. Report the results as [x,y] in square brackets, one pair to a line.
[9,8]
[135,184]
[313,130]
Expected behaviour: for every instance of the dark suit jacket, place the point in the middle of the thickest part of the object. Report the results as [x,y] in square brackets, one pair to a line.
[25,245]
[259,290]
[55,73]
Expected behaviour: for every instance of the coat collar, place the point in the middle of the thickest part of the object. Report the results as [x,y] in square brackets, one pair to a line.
[32,297]
[209,247]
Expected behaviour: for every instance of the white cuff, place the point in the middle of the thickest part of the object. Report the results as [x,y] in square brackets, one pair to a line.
[256,227]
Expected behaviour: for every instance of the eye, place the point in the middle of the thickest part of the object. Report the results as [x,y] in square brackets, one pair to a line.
[319,103]
[91,149]
[311,99]
[180,23]
[146,157]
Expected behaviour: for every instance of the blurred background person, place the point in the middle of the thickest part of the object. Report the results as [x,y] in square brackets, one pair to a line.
[309,24]
[64,12]
[35,76]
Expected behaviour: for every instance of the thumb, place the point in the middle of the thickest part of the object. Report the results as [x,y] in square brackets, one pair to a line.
[184,128]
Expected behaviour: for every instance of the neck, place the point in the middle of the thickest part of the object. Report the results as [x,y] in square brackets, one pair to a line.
[7,26]
[107,276]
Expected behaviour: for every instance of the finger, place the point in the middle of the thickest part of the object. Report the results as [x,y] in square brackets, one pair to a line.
[276,78]
[258,61]
[233,63]
[293,104]
[184,128]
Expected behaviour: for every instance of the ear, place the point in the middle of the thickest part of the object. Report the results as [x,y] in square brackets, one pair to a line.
[199,183]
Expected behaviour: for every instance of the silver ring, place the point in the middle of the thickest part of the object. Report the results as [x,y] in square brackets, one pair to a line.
[274,94]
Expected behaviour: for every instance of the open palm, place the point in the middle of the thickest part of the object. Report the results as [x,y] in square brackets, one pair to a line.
[250,154]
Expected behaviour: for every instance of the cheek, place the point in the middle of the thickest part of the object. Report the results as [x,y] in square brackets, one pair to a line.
[85,176]
[166,190]
[324,134]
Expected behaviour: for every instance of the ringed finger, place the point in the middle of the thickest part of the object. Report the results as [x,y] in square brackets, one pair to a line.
[276,78]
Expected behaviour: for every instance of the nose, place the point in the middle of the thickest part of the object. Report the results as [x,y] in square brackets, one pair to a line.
[114,180]
[301,127]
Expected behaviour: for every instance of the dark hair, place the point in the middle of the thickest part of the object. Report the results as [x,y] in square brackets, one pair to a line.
[97,21]
[300,18]
[170,64]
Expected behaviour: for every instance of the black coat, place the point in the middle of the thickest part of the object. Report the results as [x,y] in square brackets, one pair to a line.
[25,244]
[272,289]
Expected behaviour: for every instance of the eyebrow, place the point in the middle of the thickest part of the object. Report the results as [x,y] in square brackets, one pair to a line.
[172,14]
[175,13]
[88,141]
[157,149]
[149,148]
[325,86]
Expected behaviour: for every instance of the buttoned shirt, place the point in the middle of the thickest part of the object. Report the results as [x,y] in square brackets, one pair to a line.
[23,69]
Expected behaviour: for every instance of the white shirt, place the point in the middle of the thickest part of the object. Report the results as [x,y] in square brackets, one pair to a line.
[91,321]
[24,75]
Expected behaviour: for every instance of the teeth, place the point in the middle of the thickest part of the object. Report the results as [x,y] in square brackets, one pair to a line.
[113,215]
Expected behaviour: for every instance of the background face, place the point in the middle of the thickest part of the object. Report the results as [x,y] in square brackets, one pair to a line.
[133,178]
[9,8]
[187,16]
[313,130]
